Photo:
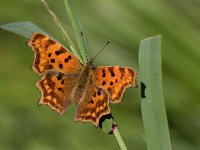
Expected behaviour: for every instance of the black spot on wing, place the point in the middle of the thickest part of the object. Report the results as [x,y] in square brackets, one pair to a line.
[53,60]
[99,93]
[60,51]
[63,81]
[67,59]
[60,66]
[91,101]
[59,76]
[111,70]
[111,83]
[104,83]
[104,75]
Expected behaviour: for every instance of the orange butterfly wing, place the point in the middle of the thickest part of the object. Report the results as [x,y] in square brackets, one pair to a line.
[61,70]
[56,89]
[50,54]
[93,104]
[114,80]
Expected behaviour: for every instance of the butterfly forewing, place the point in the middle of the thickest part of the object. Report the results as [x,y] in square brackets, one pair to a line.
[114,80]
[50,54]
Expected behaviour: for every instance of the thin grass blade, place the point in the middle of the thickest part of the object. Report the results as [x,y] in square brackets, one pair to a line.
[79,31]
[66,37]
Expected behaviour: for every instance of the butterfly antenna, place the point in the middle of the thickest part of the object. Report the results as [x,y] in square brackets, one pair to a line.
[57,22]
[102,49]
[84,45]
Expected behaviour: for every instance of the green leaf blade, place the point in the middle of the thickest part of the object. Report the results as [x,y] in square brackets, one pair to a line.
[22,28]
[78,28]
[153,107]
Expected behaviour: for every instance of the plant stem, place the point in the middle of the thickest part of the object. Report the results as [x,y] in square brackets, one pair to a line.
[58,23]
[119,138]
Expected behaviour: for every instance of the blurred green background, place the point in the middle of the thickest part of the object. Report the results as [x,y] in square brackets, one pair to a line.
[25,126]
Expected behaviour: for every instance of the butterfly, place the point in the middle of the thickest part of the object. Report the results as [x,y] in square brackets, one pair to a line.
[67,81]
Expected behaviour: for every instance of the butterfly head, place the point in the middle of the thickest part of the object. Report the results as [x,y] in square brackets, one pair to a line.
[90,63]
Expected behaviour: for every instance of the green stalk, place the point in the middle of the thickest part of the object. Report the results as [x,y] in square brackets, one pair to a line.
[58,23]
[109,126]
[119,138]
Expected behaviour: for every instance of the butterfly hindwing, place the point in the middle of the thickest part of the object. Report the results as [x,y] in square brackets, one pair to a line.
[93,105]
[56,88]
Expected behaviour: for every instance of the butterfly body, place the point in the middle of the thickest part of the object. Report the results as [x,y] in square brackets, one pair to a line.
[67,81]
[83,81]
